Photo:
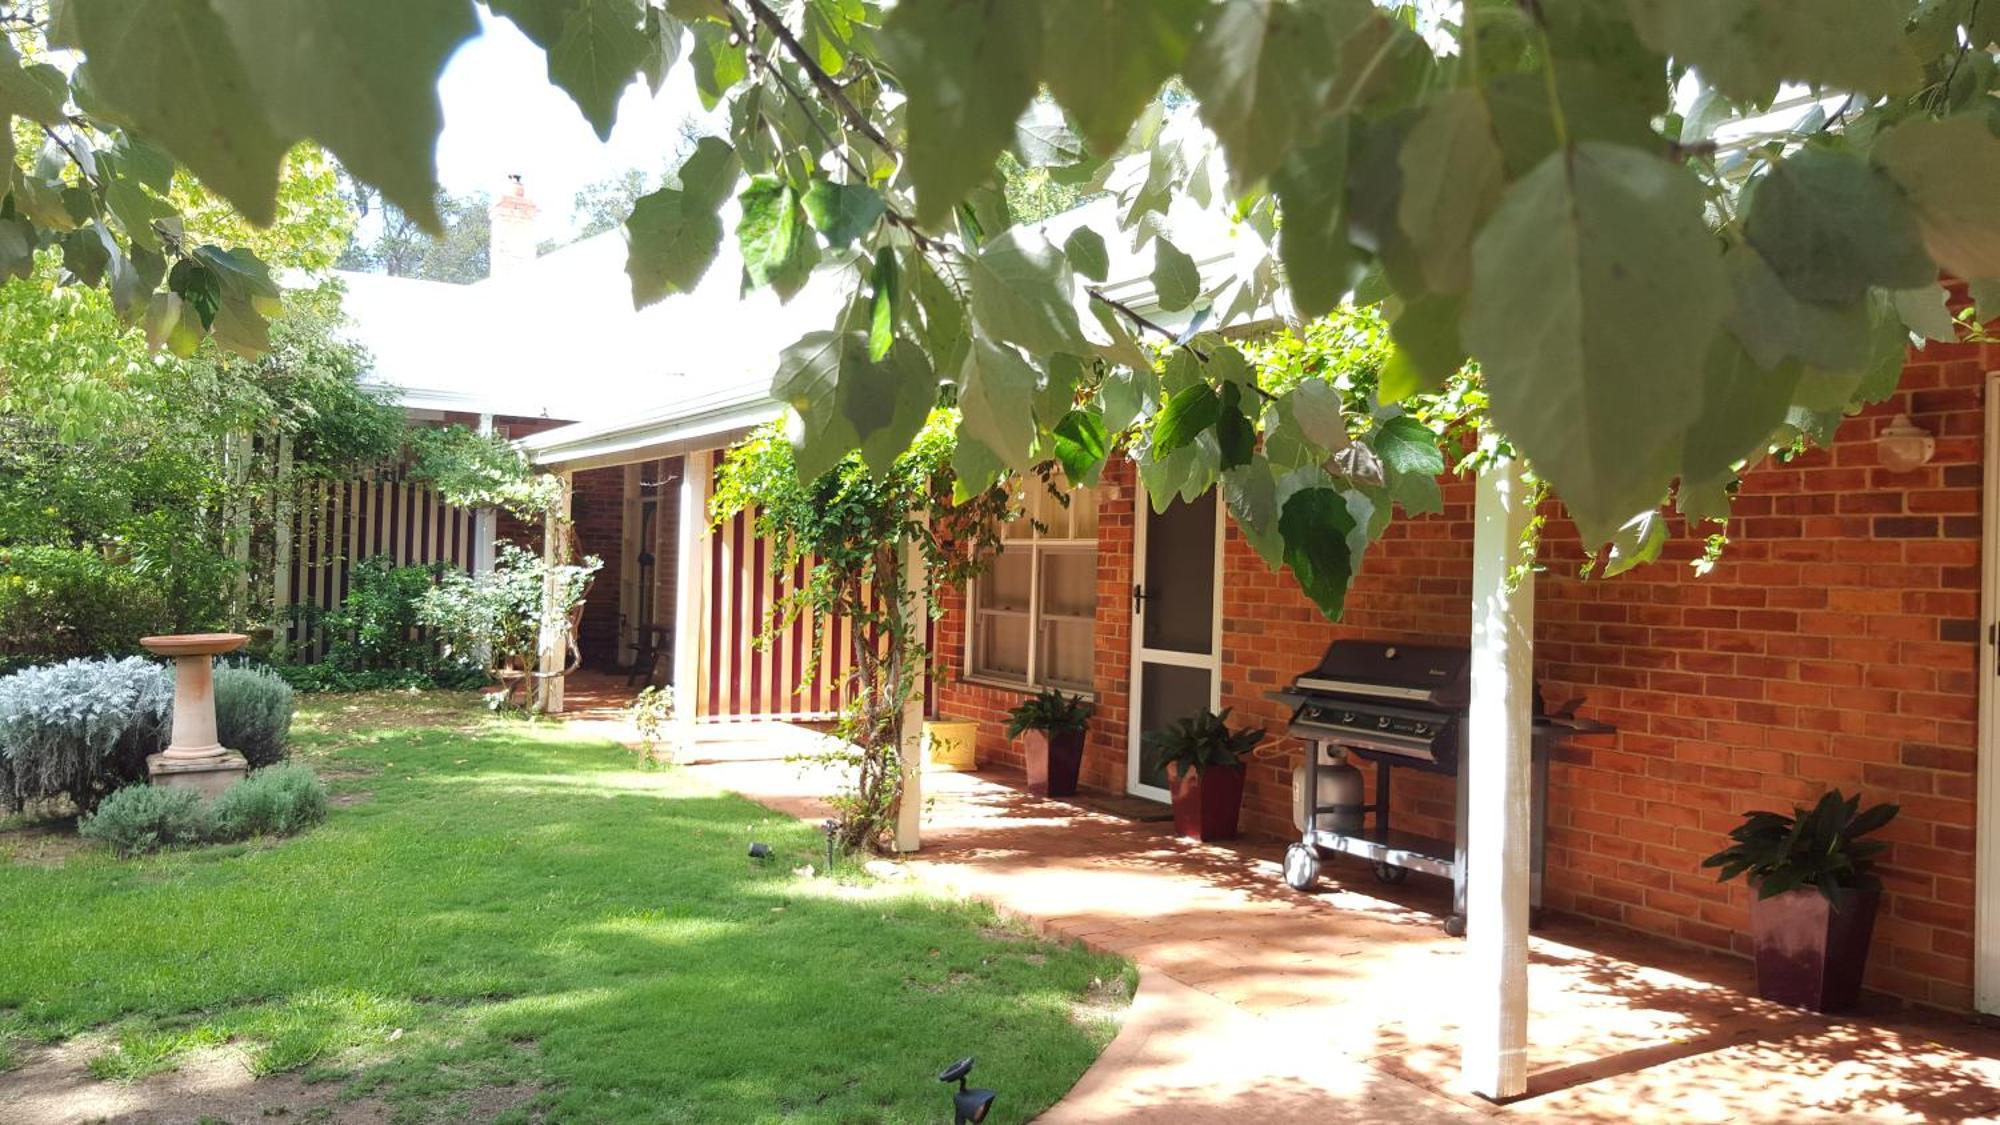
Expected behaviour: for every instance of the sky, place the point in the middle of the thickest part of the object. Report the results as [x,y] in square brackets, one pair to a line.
[502,117]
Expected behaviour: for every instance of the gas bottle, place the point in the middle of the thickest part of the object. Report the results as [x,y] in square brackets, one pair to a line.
[1341,807]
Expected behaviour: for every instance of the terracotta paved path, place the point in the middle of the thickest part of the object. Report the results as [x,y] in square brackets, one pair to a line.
[1257,1003]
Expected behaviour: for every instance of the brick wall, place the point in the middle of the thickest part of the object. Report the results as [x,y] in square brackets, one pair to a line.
[1835,644]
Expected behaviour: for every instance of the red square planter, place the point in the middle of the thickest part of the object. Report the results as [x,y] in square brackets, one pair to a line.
[1810,955]
[1053,761]
[1208,802]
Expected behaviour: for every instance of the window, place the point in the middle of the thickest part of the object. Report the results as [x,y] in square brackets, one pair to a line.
[1034,612]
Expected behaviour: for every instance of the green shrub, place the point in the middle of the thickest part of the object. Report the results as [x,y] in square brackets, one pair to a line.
[253,713]
[317,678]
[275,801]
[145,818]
[60,603]
[375,626]
[79,729]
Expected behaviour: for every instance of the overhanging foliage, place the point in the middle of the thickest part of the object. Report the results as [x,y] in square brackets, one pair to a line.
[1658,277]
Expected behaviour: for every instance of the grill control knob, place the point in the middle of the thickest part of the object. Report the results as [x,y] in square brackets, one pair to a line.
[1347,717]
[1383,722]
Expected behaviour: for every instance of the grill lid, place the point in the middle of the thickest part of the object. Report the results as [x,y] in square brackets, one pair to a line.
[1437,675]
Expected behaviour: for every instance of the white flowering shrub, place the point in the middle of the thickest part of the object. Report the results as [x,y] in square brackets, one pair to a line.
[80,729]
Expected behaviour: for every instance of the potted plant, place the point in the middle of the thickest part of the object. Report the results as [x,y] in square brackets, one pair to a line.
[1051,727]
[1203,758]
[1816,897]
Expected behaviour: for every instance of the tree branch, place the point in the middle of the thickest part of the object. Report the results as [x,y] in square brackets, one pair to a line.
[1143,322]
[828,88]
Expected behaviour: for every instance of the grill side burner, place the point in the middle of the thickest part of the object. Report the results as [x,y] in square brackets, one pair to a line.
[1403,706]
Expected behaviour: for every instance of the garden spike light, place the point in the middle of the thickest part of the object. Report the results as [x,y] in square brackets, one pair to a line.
[968,1107]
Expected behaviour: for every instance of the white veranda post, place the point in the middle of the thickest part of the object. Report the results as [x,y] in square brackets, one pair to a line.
[916,610]
[689,585]
[1500,802]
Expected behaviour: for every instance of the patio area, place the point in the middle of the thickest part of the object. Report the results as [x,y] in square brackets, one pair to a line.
[1259,1001]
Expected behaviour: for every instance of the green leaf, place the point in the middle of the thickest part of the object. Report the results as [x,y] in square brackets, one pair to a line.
[842,212]
[1948,168]
[1742,403]
[360,78]
[1924,310]
[1596,288]
[602,46]
[1831,226]
[718,63]
[36,91]
[1311,185]
[1176,281]
[1260,69]
[1235,436]
[778,247]
[1126,395]
[1315,524]
[945,334]
[1452,176]
[1105,59]
[1747,47]
[1413,462]
[1022,293]
[997,402]
[1081,446]
[883,284]
[1251,492]
[1427,348]
[674,233]
[1773,323]
[663,47]
[1189,412]
[970,68]
[1085,250]
[17,248]
[809,378]
[1315,405]
[214,122]
[886,402]
[1637,541]
[974,467]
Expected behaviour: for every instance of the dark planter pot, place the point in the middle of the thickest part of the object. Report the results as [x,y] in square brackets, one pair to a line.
[1810,955]
[1053,761]
[1207,803]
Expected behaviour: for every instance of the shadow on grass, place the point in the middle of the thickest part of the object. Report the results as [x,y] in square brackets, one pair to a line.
[514,886]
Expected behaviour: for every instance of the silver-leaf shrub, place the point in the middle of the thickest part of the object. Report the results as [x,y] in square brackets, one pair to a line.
[80,729]
[253,713]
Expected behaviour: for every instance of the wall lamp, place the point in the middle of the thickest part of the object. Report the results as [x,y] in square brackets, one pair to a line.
[1903,445]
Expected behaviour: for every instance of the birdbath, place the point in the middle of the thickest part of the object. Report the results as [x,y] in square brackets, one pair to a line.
[195,759]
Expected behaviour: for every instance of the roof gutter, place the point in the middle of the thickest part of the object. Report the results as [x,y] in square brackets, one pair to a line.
[690,426]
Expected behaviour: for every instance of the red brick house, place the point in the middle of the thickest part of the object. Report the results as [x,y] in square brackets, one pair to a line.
[1836,644]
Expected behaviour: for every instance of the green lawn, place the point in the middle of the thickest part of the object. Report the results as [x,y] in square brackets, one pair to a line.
[498,902]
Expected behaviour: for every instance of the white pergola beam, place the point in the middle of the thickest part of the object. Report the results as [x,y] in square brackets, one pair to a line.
[689,578]
[1499,803]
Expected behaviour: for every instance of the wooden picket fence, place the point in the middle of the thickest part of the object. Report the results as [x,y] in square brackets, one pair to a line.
[336,525]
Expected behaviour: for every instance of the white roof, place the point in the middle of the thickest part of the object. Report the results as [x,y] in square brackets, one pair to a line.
[559,338]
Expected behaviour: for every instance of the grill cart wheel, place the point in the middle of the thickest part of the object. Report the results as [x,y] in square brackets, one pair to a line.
[1391,874]
[1454,926]
[1302,867]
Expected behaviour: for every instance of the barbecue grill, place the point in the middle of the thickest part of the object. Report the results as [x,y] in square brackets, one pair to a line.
[1403,707]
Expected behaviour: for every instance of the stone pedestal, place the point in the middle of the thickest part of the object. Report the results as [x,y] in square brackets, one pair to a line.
[195,759]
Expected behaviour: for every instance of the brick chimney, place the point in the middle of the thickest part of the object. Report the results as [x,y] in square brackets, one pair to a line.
[513,230]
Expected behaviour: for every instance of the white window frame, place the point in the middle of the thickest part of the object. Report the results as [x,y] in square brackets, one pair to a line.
[1036,547]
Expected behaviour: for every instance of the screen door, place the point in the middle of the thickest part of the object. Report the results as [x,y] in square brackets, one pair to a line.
[1176,627]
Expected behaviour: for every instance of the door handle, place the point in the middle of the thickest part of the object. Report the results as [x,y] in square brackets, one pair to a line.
[1139,596]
